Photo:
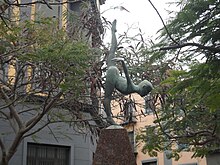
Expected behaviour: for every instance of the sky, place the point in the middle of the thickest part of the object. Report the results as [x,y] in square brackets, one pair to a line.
[141,15]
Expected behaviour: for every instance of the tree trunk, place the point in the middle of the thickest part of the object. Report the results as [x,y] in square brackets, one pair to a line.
[4,161]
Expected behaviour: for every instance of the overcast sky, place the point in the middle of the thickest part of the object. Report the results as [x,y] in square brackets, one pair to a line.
[141,14]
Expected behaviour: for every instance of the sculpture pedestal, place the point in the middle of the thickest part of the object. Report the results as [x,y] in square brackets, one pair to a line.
[114,148]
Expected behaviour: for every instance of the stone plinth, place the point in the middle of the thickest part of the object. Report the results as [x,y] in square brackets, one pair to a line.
[114,148]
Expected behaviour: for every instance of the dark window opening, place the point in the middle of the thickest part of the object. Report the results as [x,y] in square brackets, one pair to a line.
[154,162]
[189,164]
[129,111]
[41,154]
[148,106]
[3,71]
[132,140]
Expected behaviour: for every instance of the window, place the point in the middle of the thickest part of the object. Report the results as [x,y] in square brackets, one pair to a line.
[153,162]
[21,76]
[75,6]
[41,82]
[189,164]
[44,80]
[25,11]
[148,107]
[40,154]
[42,10]
[129,111]
[73,18]
[132,140]
[183,147]
[3,71]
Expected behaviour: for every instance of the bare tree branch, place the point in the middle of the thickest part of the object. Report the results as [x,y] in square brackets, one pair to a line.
[13,111]
[33,121]
[59,121]
[163,23]
[49,4]
[209,48]
[15,144]
[2,146]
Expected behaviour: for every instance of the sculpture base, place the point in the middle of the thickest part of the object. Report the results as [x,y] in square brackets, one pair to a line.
[114,147]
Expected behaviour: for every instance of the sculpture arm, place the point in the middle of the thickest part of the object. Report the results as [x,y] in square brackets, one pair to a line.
[129,82]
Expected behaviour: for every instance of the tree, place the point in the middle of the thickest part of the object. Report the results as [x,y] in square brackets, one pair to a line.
[43,67]
[188,94]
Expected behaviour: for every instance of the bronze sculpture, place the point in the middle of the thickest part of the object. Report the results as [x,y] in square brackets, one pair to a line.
[115,81]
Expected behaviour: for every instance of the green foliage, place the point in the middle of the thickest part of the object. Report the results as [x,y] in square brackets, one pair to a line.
[194,19]
[189,89]
[44,71]
[46,48]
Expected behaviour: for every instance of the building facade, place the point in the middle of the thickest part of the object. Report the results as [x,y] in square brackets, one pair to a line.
[59,143]
[142,117]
